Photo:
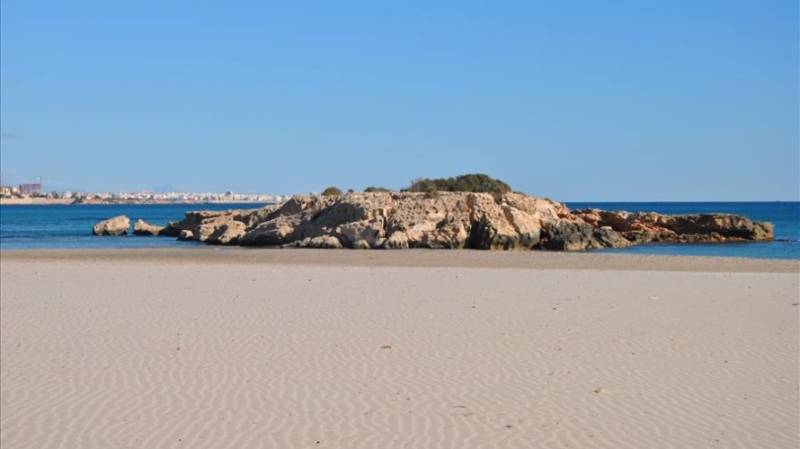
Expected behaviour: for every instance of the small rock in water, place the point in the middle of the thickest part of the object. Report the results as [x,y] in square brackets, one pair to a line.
[113,226]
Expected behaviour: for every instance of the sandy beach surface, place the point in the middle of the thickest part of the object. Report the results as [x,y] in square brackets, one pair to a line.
[236,348]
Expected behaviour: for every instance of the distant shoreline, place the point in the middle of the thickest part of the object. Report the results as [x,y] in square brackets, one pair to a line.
[71,202]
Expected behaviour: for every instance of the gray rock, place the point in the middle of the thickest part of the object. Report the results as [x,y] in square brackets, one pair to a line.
[569,235]
[610,238]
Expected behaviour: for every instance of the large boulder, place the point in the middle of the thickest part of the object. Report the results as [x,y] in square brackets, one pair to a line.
[227,233]
[569,235]
[528,226]
[610,238]
[142,227]
[113,226]
[510,221]
[490,228]
[419,220]
[194,220]
[276,231]
[292,221]
[362,234]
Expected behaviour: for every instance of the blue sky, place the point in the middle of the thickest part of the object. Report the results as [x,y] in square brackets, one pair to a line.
[591,100]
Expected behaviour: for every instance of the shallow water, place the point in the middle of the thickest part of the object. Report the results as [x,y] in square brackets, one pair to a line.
[70,226]
[25,227]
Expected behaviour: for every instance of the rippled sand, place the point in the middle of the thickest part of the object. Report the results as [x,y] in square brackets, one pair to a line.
[433,349]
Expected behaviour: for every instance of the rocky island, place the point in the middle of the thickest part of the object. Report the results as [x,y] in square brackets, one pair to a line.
[443,220]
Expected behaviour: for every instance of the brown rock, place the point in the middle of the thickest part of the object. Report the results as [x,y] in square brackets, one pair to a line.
[325,241]
[454,220]
[113,226]
[227,233]
[367,231]
[144,228]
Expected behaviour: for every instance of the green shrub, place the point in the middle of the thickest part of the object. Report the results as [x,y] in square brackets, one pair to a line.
[464,183]
[331,191]
[376,189]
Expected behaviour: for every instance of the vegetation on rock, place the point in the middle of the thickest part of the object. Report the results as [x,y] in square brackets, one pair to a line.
[331,191]
[465,183]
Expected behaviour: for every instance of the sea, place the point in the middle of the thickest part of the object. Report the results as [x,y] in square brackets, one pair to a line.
[69,226]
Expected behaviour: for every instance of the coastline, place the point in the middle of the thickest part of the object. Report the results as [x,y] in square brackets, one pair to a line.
[71,202]
[424,258]
[36,201]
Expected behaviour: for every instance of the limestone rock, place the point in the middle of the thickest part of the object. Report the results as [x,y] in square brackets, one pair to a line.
[325,241]
[361,244]
[398,240]
[142,227]
[227,233]
[644,227]
[194,220]
[527,226]
[367,231]
[397,220]
[292,221]
[113,226]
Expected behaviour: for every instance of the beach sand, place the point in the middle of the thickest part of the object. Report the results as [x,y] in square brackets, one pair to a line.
[236,348]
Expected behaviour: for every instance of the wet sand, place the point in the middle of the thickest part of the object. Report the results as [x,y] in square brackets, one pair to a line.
[537,260]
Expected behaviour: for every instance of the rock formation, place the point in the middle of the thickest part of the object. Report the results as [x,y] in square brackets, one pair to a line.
[144,228]
[645,227]
[452,220]
[113,226]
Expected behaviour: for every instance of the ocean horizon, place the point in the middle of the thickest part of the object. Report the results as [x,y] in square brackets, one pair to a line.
[69,226]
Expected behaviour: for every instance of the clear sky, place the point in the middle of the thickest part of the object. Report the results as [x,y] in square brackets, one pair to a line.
[589,100]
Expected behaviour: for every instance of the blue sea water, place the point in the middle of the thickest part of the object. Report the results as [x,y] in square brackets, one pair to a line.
[70,226]
[25,227]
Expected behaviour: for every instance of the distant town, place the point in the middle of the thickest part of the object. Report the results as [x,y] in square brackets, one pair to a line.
[33,193]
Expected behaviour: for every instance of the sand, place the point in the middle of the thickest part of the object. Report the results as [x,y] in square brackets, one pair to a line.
[382,349]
